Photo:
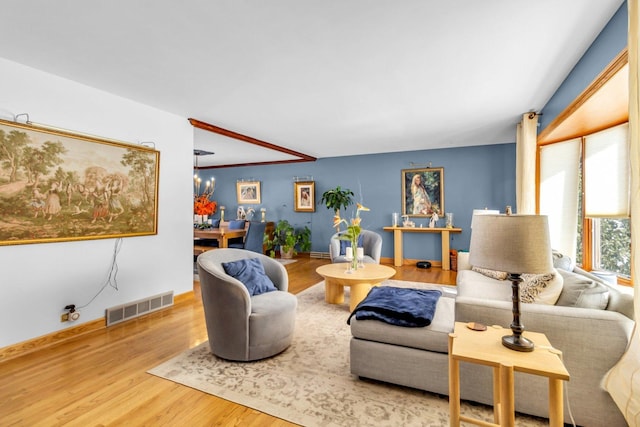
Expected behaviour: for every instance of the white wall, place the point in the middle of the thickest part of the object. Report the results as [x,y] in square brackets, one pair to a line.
[38,280]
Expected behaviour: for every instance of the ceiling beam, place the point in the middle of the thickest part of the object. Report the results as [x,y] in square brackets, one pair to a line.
[231,134]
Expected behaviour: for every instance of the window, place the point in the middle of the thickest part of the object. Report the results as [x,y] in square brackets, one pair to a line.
[584,188]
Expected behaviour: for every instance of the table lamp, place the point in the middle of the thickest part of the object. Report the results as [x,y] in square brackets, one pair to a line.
[516,244]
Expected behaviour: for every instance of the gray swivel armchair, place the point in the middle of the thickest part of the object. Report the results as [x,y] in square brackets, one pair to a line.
[371,245]
[242,327]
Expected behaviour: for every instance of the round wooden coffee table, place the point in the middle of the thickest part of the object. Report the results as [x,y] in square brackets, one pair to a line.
[360,281]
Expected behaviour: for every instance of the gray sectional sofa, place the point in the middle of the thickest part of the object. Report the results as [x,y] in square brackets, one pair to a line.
[592,329]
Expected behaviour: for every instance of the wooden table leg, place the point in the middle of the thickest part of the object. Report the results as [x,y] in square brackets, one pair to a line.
[333,292]
[507,398]
[496,395]
[397,248]
[556,407]
[446,262]
[359,292]
[454,386]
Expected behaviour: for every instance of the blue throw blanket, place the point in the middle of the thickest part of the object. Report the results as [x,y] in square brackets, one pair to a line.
[398,306]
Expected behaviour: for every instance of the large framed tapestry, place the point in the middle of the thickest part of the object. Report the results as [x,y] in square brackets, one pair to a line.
[423,192]
[59,186]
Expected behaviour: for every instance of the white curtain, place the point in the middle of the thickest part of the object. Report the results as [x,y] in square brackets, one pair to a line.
[623,381]
[526,139]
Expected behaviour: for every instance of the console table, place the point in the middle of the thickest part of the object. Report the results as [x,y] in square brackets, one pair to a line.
[397,242]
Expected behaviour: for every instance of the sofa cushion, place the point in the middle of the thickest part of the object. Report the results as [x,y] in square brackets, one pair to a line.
[473,284]
[252,275]
[581,291]
[434,337]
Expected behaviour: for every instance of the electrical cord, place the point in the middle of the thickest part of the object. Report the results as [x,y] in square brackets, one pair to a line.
[566,383]
[112,275]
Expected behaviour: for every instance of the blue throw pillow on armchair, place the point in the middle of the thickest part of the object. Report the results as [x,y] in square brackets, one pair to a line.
[344,244]
[252,275]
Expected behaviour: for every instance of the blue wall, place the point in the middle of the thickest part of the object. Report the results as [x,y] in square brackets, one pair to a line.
[609,43]
[474,177]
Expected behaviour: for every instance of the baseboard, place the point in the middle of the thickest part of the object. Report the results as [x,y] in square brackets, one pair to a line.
[58,337]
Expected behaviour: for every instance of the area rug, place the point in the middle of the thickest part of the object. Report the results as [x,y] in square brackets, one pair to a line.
[310,383]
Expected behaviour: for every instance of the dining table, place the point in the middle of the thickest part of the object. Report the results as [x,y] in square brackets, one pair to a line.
[221,234]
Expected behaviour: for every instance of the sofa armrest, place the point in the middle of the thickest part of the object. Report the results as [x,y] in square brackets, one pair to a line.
[463,261]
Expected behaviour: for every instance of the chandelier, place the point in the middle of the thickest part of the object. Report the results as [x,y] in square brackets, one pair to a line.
[209,185]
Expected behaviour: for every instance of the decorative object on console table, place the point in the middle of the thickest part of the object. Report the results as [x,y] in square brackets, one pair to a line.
[449,220]
[516,244]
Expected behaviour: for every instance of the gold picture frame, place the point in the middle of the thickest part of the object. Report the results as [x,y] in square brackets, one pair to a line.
[423,192]
[248,192]
[305,196]
[57,185]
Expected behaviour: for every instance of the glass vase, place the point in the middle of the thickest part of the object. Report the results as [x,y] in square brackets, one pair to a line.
[354,263]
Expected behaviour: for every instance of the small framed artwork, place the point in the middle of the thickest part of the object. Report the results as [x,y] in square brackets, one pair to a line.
[423,192]
[248,192]
[305,196]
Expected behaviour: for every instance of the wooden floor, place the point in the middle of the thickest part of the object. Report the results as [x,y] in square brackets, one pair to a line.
[100,378]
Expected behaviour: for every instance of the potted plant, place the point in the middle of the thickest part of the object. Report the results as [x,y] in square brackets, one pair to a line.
[336,199]
[288,239]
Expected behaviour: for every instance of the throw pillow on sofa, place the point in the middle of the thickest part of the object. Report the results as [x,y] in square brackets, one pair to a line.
[541,288]
[581,291]
[534,288]
[498,275]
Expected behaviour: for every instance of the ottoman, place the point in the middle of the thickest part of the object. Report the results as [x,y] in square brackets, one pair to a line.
[412,357]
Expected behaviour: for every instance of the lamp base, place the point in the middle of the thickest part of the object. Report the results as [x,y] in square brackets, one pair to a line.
[517,343]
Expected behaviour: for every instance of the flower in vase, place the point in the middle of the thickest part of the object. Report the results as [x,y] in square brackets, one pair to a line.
[203,206]
[353,227]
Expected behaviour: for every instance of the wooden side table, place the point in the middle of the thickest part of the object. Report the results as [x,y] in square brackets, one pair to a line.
[485,348]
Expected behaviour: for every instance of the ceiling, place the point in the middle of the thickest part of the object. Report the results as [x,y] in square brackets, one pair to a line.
[318,78]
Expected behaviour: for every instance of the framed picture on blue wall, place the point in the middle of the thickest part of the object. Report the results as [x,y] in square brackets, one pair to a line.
[423,192]
[248,192]
[305,196]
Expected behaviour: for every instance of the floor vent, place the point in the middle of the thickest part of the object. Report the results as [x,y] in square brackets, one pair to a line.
[323,255]
[138,308]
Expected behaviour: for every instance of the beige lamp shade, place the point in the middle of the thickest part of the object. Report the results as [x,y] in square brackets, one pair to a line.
[511,243]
